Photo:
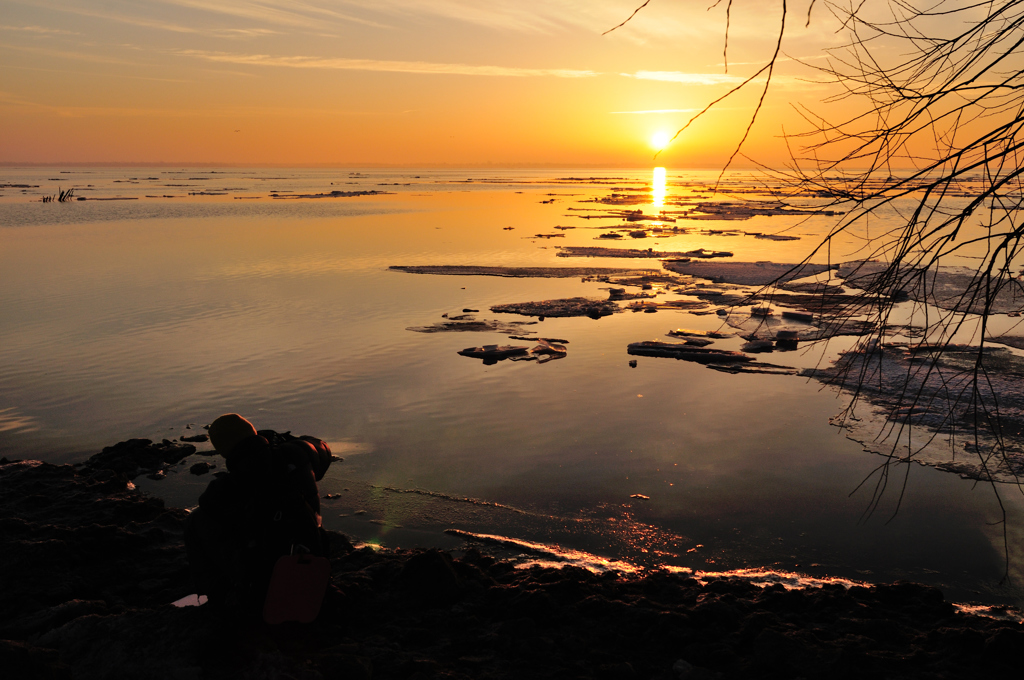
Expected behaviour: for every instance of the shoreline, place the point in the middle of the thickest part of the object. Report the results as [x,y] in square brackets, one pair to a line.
[97,561]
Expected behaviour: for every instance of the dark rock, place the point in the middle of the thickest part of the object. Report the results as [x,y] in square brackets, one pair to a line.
[201,468]
[1006,645]
[430,577]
[22,660]
[136,456]
[344,665]
[197,438]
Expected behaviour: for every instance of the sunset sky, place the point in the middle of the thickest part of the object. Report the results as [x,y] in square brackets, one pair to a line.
[406,82]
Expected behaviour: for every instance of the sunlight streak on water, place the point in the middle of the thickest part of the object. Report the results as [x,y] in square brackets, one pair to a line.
[658,190]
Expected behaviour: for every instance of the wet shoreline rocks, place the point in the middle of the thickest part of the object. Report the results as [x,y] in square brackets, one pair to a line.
[93,563]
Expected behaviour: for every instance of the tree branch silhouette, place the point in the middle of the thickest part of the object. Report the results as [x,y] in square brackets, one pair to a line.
[926,171]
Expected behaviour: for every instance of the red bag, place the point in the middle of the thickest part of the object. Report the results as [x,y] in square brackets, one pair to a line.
[296,588]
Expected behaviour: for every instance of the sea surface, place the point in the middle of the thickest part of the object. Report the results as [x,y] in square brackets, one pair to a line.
[204,291]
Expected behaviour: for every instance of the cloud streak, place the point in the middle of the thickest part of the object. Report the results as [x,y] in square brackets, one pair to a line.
[656,111]
[40,30]
[419,67]
[686,78]
[160,24]
[9,100]
[295,13]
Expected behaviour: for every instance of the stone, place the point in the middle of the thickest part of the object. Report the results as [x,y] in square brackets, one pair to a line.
[135,456]
[201,468]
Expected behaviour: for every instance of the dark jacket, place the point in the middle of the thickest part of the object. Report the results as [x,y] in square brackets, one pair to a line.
[266,506]
[254,474]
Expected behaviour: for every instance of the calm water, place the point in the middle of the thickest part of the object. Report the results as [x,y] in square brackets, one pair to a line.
[138,318]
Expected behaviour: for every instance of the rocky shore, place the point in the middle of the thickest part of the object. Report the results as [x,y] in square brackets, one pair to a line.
[89,566]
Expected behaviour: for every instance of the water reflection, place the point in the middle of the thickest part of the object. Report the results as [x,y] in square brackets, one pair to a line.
[658,188]
[559,456]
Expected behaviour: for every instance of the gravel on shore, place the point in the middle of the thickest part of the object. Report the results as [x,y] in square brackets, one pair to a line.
[89,565]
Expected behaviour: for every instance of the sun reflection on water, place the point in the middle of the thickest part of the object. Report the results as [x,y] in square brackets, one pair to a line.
[658,188]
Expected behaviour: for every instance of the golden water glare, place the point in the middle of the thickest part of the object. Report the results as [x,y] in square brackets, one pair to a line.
[658,188]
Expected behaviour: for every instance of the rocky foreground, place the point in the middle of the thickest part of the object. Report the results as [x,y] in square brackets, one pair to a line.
[88,566]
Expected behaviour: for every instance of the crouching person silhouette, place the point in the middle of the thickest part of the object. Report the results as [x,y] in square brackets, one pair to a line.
[255,544]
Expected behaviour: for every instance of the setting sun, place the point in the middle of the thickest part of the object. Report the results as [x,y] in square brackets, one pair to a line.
[660,139]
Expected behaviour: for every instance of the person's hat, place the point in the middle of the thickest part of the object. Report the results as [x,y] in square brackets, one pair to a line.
[228,430]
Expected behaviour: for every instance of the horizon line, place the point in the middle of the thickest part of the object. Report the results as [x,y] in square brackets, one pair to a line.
[207,164]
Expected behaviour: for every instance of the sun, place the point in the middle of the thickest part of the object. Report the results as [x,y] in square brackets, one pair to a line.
[660,139]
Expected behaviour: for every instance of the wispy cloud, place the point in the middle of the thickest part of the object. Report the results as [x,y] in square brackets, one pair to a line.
[685,78]
[422,67]
[516,16]
[39,30]
[657,111]
[10,100]
[540,16]
[295,13]
[101,74]
[522,16]
[160,24]
[75,56]
[778,81]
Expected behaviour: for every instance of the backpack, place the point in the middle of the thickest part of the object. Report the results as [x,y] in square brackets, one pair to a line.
[286,551]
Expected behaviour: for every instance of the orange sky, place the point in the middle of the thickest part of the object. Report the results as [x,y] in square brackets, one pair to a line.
[416,82]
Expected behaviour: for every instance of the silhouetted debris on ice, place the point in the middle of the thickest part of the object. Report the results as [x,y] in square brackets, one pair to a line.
[681,304]
[577,306]
[677,350]
[494,353]
[464,324]
[332,194]
[755,367]
[690,333]
[513,272]
[594,251]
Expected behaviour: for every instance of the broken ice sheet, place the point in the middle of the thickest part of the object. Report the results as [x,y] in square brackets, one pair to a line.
[577,306]
[542,352]
[678,350]
[462,324]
